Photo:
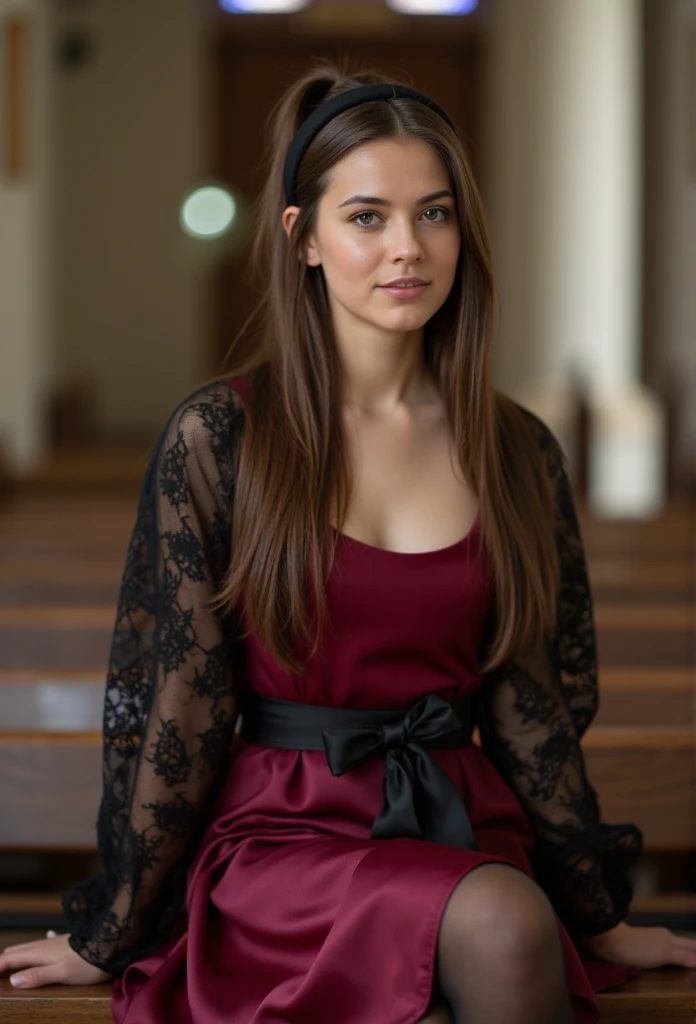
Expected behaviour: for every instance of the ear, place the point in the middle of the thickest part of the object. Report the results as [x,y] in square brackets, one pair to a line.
[312,256]
[311,253]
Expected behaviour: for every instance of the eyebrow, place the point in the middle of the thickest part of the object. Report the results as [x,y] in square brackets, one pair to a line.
[376,201]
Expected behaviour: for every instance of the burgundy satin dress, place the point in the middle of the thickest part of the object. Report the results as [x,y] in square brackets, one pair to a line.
[293,914]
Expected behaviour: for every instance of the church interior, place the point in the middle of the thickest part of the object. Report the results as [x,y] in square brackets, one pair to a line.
[131,149]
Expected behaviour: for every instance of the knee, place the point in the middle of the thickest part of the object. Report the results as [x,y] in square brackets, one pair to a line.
[503,916]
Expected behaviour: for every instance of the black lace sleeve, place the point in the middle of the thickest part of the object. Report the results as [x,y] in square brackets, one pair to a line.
[532,715]
[170,707]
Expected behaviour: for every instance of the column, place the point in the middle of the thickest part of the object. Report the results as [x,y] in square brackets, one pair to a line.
[26,214]
[564,181]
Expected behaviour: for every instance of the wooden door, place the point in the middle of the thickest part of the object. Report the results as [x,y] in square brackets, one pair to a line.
[251,74]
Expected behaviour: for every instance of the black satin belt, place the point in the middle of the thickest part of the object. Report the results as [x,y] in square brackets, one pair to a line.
[420,799]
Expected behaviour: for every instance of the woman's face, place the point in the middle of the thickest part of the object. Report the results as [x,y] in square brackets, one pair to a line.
[388,213]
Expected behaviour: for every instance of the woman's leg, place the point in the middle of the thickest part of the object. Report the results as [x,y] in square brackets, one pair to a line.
[499,957]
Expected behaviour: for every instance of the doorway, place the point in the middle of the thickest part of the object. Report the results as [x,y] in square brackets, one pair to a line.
[252,70]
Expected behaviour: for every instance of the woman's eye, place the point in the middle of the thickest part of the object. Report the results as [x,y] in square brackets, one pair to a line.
[365,213]
[436,214]
[436,209]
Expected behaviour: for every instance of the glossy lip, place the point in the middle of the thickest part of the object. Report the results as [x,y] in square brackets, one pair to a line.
[403,280]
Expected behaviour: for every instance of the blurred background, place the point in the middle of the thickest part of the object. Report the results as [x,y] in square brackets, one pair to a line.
[131,138]
[122,280]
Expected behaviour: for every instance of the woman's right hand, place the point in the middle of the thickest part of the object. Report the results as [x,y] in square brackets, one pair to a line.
[49,961]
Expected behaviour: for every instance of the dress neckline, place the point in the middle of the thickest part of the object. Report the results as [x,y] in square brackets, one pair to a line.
[420,555]
[240,384]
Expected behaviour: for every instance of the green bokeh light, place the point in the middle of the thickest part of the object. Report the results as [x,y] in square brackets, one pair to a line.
[208,212]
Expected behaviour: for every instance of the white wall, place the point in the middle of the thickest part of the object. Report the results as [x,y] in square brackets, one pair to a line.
[26,255]
[563,168]
[131,142]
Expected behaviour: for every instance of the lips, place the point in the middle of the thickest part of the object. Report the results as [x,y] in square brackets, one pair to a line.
[406,289]
[404,282]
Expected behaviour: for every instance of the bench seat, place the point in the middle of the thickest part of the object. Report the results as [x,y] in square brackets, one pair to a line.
[664,996]
[68,1004]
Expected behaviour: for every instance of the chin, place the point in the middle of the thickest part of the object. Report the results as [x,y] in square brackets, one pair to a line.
[408,320]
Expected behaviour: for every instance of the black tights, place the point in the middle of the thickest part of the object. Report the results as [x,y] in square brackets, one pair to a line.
[499,957]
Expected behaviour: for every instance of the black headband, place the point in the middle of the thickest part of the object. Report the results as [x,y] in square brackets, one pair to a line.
[326,111]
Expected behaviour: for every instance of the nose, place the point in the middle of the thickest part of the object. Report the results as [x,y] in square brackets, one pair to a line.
[404,244]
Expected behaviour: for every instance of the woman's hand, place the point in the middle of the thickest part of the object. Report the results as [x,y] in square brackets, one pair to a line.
[642,947]
[49,961]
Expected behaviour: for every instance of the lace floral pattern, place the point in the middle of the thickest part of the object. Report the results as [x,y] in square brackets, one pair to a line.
[170,708]
[532,714]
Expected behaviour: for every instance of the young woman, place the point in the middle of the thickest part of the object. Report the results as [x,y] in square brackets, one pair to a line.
[355,549]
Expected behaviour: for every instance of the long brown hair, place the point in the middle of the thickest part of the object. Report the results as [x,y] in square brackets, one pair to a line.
[292,471]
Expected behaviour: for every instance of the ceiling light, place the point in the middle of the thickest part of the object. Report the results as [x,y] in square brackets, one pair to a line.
[262,6]
[433,6]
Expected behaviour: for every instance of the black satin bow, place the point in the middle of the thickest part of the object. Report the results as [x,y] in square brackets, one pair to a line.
[420,799]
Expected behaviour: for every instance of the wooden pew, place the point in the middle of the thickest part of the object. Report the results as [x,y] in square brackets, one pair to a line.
[50,784]
[646,696]
[68,1004]
[663,996]
[60,579]
[638,744]
[646,635]
[652,696]
[79,636]
[634,581]
[646,775]
[89,471]
[672,532]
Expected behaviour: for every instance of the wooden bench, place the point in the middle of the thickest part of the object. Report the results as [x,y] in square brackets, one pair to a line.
[671,533]
[647,634]
[50,750]
[78,579]
[50,785]
[663,996]
[646,775]
[90,471]
[640,581]
[60,566]
[79,636]
[651,696]
[69,698]
[67,1004]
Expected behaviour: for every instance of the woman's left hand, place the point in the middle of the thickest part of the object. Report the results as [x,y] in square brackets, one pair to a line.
[642,947]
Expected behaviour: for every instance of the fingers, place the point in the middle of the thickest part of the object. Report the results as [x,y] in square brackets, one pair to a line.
[684,950]
[49,942]
[35,964]
[9,952]
[39,955]
[20,946]
[50,934]
[685,957]
[35,977]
